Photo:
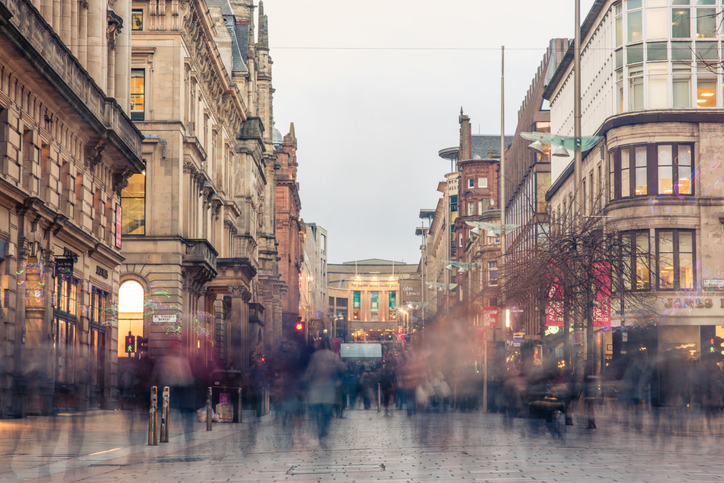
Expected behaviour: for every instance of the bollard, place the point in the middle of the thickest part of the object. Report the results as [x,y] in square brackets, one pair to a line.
[238,420]
[164,414]
[379,398]
[208,410]
[152,436]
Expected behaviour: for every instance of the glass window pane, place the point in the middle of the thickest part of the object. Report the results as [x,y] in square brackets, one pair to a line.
[634,26]
[619,58]
[635,54]
[665,170]
[681,50]
[624,158]
[686,270]
[625,183]
[658,92]
[619,31]
[641,182]
[704,2]
[680,23]
[636,92]
[656,51]
[680,2]
[707,51]
[631,4]
[666,270]
[137,20]
[656,24]
[705,23]
[686,244]
[681,92]
[138,82]
[642,261]
[706,92]
[684,153]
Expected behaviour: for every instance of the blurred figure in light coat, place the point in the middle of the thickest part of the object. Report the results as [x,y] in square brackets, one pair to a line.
[322,378]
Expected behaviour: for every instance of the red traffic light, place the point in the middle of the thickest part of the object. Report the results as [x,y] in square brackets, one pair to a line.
[299,327]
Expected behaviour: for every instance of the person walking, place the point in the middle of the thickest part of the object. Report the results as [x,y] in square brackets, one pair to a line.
[322,377]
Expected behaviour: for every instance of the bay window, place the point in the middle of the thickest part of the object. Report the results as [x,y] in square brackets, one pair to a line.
[652,169]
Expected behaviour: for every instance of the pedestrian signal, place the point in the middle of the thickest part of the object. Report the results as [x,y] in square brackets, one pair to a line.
[130,343]
[142,344]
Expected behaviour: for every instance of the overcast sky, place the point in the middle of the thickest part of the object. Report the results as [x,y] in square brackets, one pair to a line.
[374,89]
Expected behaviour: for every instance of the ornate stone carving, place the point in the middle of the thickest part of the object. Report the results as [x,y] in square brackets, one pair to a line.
[240,291]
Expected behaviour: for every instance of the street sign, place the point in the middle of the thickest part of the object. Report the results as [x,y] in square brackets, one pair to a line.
[165,319]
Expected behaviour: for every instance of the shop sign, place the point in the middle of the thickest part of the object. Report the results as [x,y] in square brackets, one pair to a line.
[64,267]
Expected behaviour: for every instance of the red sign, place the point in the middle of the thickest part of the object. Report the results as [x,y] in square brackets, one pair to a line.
[119,225]
[602,307]
[490,316]
[400,334]
[554,311]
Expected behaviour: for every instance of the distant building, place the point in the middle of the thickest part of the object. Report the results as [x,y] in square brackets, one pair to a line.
[371,289]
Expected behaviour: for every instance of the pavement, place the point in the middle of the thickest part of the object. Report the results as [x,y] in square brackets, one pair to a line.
[366,445]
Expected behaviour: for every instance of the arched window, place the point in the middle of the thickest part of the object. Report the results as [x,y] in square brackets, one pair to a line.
[130,315]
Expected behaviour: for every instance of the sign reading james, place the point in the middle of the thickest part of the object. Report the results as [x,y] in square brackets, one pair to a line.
[410,291]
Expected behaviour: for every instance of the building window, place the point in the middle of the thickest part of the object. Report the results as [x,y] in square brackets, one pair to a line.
[130,314]
[705,23]
[471,183]
[680,23]
[493,272]
[675,259]
[138,94]
[375,300]
[67,295]
[136,19]
[471,208]
[99,306]
[133,205]
[482,182]
[65,350]
[636,260]
[670,170]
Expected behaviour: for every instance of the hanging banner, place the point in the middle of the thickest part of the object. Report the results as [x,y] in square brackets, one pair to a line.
[554,311]
[602,297]
[490,316]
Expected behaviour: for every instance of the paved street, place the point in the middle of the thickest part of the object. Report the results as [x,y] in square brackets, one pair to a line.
[110,446]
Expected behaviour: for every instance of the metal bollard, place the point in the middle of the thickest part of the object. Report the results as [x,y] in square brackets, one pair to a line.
[379,398]
[164,414]
[152,420]
[238,420]
[208,410]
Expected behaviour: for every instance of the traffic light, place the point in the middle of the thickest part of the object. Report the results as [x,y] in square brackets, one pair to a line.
[299,327]
[130,343]
[142,343]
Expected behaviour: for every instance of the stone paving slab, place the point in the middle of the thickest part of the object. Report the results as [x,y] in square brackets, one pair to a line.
[364,446]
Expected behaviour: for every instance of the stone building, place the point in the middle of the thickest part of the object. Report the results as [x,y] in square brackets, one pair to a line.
[371,289]
[654,176]
[199,223]
[290,232]
[66,150]
[528,178]
[313,281]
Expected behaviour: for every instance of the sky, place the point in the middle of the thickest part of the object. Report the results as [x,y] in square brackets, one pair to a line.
[374,90]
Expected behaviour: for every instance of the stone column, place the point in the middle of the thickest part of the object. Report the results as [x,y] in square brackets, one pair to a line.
[239,328]
[20,379]
[56,16]
[123,57]
[82,33]
[73,27]
[96,39]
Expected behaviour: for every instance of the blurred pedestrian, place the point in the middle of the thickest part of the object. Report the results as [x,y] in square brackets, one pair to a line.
[322,378]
